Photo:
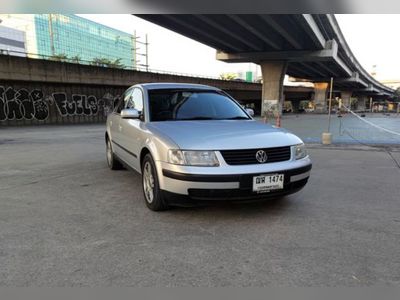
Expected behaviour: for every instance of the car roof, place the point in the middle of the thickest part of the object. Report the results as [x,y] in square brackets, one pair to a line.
[168,85]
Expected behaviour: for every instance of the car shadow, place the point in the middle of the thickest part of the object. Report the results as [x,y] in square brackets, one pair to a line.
[267,207]
[226,209]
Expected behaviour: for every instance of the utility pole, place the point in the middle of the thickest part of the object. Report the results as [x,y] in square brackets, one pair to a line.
[147,54]
[134,55]
[330,106]
[53,51]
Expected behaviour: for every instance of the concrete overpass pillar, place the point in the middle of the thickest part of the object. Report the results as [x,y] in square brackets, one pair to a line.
[346,98]
[362,102]
[273,73]
[320,93]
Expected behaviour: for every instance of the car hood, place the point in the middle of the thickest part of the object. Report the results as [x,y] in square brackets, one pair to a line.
[223,134]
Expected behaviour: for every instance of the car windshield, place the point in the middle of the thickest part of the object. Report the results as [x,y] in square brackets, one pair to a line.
[176,105]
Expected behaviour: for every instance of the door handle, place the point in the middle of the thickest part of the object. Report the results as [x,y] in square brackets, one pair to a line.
[120,127]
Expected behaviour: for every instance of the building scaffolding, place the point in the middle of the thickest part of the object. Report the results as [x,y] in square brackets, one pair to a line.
[140,55]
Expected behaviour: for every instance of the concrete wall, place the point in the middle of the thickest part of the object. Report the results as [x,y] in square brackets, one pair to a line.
[33,103]
[26,69]
[46,92]
[34,92]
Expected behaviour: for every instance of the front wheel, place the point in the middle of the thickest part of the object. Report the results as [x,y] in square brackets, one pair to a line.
[151,188]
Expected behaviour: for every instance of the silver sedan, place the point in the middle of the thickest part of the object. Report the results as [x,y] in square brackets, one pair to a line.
[194,144]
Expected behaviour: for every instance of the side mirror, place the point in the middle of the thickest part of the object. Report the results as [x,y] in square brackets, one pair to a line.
[250,112]
[130,113]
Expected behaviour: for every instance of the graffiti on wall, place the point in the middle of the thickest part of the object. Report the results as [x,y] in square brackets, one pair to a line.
[107,103]
[22,104]
[76,105]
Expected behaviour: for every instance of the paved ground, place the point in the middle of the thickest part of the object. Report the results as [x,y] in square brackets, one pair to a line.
[66,220]
[345,130]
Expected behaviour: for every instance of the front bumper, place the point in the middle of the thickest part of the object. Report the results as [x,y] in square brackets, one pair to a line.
[181,186]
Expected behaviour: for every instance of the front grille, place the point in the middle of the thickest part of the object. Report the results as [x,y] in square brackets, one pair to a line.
[248,156]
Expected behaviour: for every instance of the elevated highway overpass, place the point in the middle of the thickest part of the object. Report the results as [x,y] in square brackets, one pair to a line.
[303,46]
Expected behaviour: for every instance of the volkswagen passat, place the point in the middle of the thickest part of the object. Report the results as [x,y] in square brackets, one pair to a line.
[195,143]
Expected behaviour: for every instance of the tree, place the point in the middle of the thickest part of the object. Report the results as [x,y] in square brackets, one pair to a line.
[116,64]
[227,76]
[101,62]
[105,62]
[75,59]
[59,57]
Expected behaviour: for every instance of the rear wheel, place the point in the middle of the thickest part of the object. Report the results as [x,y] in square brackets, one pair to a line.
[112,161]
[151,188]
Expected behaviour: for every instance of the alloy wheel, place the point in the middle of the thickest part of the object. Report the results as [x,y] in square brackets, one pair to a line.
[148,182]
[109,153]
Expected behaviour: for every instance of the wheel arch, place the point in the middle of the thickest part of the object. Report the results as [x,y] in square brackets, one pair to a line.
[145,150]
[151,149]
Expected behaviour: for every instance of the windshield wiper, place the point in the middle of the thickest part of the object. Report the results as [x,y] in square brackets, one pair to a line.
[196,118]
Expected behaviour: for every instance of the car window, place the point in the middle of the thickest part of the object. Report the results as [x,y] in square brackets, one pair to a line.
[175,105]
[135,100]
[119,105]
[123,101]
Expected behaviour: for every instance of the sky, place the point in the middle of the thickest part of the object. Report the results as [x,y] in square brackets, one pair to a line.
[372,38]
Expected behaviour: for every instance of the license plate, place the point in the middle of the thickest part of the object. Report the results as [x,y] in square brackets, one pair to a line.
[266,183]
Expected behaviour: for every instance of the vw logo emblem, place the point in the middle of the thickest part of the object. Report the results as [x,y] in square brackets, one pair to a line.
[261,156]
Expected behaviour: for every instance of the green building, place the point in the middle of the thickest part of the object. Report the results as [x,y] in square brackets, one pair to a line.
[82,39]
[76,38]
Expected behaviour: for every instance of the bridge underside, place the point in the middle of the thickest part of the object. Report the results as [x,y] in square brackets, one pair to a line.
[309,47]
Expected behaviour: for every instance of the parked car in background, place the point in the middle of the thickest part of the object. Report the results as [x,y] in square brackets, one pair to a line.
[249,110]
[287,107]
[195,143]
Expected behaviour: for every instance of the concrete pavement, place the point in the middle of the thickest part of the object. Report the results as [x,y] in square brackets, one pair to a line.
[67,220]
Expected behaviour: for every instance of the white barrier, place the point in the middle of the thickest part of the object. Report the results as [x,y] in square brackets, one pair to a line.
[370,123]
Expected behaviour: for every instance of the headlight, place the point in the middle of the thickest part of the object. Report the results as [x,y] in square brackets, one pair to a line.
[193,158]
[300,151]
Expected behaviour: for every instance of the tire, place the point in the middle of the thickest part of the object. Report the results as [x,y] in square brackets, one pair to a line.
[112,162]
[151,189]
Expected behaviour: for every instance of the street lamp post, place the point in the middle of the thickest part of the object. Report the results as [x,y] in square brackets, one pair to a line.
[330,106]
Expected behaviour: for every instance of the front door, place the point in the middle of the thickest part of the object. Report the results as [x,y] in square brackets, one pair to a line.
[115,124]
[131,131]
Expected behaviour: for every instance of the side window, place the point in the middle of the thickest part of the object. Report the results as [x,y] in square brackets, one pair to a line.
[123,101]
[136,100]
